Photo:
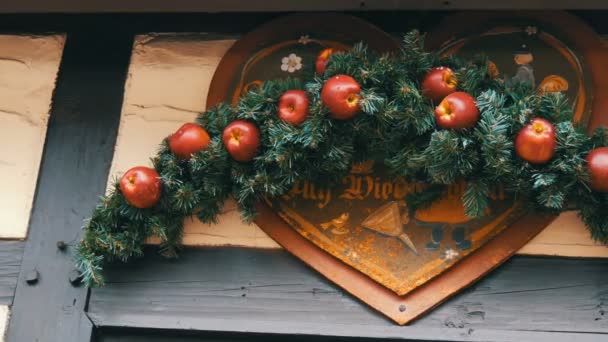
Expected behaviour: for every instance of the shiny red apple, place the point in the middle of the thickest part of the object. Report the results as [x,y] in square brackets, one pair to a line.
[457,111]
[341,95]
[242,140]
[322,59]
[188,139]
[597,165]
[293,107]
[141,187]
[535,143]
[439,83]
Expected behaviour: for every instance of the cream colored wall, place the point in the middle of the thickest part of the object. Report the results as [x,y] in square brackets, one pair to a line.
[28,68]
[168,82]
[4,315]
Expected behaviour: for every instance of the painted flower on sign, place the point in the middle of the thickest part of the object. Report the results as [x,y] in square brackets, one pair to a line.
[305,39]
[449,254]
[291,63]
[531,30]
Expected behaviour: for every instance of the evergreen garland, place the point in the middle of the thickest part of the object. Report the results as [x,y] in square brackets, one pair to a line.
[396,125]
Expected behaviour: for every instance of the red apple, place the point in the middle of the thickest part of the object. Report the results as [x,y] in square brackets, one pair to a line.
[141,187]
[535,143]
[597,164]
[242,140]
[341,95]
[322,59]
[188,139]
[439,83]
[293,107]
[457,111]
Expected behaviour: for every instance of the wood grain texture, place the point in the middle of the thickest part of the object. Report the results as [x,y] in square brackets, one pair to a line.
[11,253]
[264,291]
[113,335]
[168,82]
[80,140]
[28,65]
[77,6]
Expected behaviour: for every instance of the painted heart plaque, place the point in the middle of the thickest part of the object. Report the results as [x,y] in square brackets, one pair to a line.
[368,232]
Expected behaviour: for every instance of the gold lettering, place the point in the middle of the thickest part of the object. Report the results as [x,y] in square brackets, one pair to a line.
[354,189]
[387,190]
[325,197]
[369,182]
[305,190]
[312,193]
[377,188]
[296,190]
[400,188]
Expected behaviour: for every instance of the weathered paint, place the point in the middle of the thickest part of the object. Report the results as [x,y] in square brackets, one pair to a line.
[28,65]
[4,315]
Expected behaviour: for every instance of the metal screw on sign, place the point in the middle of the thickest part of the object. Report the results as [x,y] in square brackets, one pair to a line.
[402,308]
[61,245]
[31,277]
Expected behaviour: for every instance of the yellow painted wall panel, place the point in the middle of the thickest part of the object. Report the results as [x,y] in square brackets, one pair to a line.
[28,69]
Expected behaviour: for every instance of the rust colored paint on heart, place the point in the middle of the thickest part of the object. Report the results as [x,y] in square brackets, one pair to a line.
[365,222]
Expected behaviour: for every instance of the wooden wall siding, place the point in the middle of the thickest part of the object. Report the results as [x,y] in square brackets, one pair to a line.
[168,82]
[265,291]
[28,68]
[11,253]
[177,6]
[78,151]
[10,263]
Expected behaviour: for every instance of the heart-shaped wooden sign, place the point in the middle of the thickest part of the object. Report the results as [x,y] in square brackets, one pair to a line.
[363,233]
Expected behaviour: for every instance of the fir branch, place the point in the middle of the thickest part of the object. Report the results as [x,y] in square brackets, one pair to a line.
[396,125]
[475,198]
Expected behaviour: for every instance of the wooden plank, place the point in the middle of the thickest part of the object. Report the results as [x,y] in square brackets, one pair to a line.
[28,65]
[11,253]
[270,291]
[12,6]
[80,140]
[167,85]
[121,335]
[142,336]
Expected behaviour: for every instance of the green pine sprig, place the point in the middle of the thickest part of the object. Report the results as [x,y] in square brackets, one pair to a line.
[396,126]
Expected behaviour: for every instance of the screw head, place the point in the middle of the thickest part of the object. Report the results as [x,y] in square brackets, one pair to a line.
[402,307]
[61,245]
[75,278]
[31,277]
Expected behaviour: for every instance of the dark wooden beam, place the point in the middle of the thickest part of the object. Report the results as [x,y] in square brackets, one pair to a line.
[134,335]
[271,292]
[79,6]
[79,147]
[396,22]
[10,263]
